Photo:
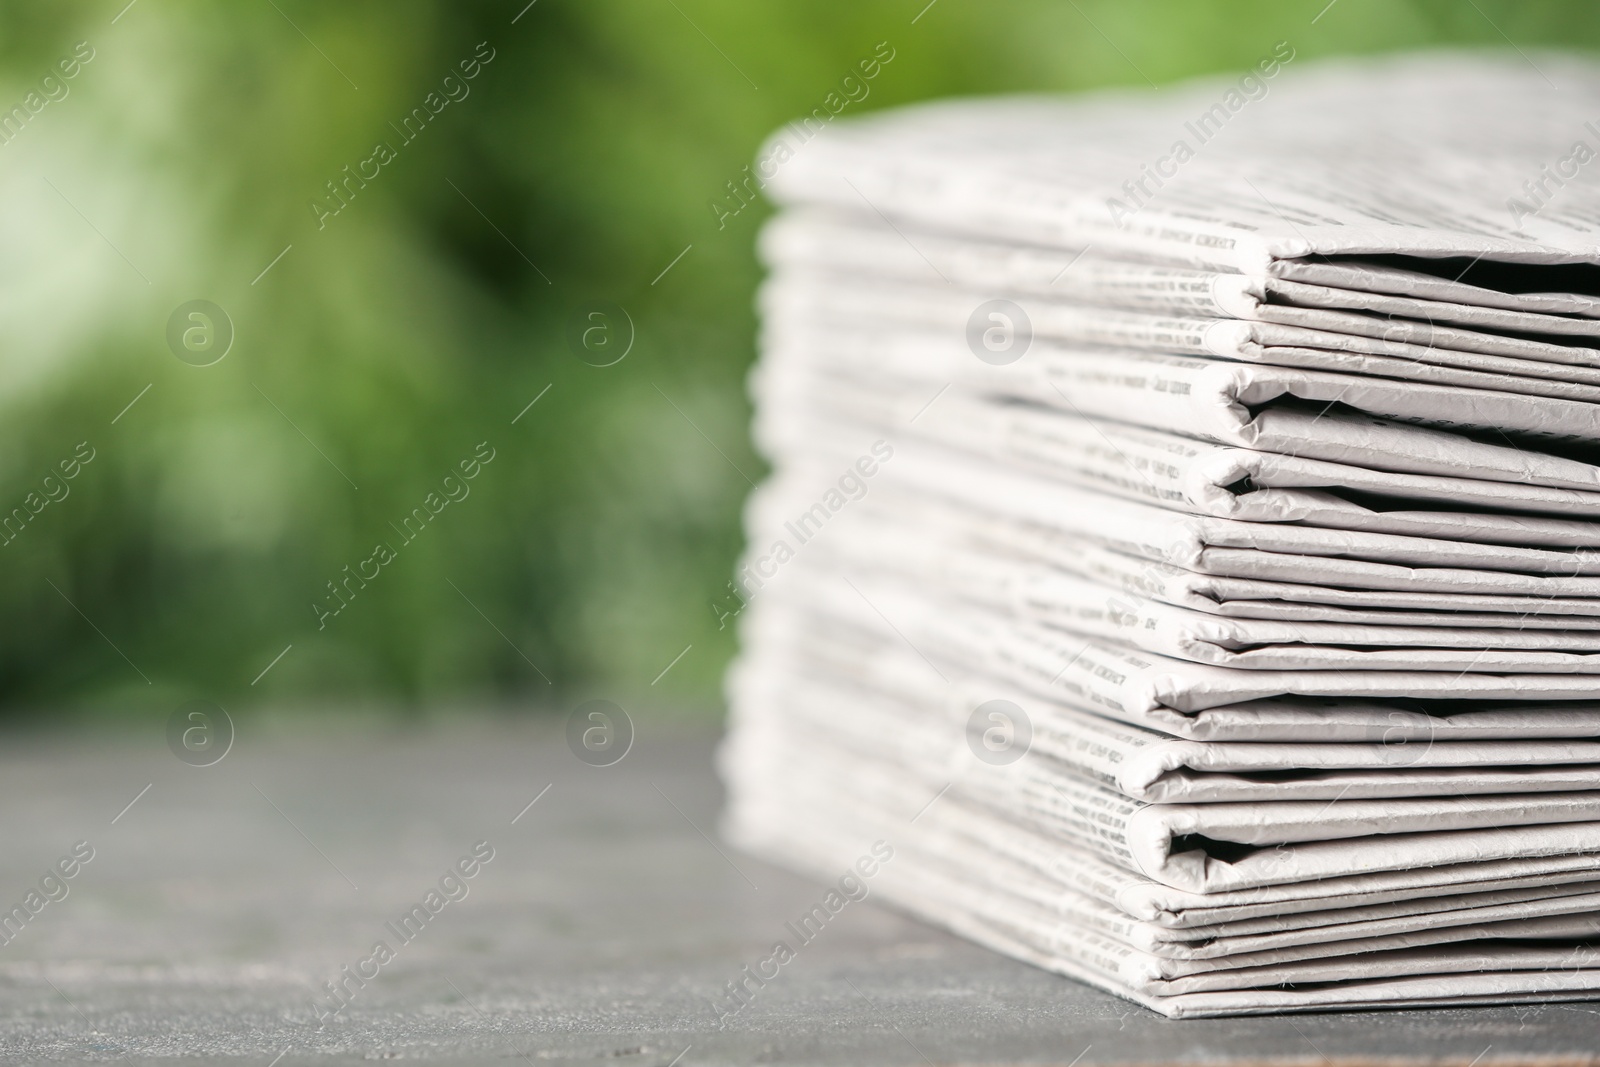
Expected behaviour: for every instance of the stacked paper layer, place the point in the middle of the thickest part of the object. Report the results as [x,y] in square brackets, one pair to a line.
[1193,581]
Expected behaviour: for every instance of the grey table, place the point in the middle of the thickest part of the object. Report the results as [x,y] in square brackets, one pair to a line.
[608,920]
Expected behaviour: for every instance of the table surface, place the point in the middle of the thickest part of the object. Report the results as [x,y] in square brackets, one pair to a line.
[608,920]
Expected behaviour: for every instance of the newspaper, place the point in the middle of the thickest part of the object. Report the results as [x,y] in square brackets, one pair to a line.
[1221,845]
[928,722]
[1357,966]
[1081,935]
[1044,596]
[1117,683]
[1177,471]
[1169,694]
[1274,408]
[1209,604]
[1312,171]
[1453,975]
[1262,844]
[988,559]
[1164,953]
[1151,952]
[1323,300]
[1044,600]
[1223,547]
[895,806]
[804,296]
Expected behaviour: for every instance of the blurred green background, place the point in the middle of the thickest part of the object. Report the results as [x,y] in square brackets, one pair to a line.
[383,347]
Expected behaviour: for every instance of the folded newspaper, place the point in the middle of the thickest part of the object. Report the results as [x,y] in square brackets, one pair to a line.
[1181,564]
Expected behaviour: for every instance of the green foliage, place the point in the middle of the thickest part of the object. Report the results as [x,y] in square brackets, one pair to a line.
[383,347]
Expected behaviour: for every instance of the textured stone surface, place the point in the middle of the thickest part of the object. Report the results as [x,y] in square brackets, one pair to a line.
[599,934]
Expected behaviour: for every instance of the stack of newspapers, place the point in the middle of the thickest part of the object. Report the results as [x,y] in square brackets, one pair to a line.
[1181,563]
